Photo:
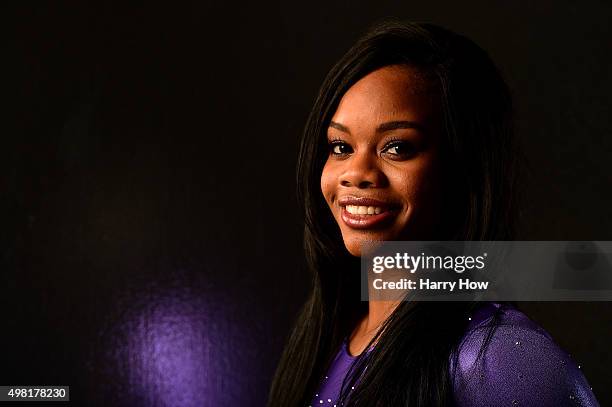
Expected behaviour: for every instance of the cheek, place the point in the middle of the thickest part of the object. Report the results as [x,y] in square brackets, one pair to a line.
[328,183]
[419,185]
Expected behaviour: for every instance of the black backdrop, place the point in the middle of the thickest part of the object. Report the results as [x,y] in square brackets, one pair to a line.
[150,233]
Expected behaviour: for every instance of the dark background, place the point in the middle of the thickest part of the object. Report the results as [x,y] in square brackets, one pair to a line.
[151,249]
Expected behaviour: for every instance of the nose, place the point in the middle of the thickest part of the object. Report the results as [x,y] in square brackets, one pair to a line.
[362,171]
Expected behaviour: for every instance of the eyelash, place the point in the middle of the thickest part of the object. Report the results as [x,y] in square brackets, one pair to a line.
[390,144]
[393,142]
[336,142]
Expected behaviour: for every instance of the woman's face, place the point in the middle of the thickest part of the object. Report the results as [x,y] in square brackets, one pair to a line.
[383,176]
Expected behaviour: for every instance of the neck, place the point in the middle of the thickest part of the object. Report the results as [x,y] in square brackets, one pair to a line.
[382,304]
[378,312]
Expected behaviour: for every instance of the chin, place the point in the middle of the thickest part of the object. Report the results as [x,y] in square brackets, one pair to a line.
[355,240]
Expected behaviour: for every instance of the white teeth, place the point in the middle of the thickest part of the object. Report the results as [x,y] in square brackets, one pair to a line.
[364,210]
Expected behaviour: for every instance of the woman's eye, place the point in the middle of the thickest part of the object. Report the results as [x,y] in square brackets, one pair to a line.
[400,149]
[339,148]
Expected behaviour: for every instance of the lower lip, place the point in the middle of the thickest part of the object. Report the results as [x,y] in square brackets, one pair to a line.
[366,221]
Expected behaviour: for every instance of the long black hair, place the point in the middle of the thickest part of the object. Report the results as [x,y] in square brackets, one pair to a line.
[410,363]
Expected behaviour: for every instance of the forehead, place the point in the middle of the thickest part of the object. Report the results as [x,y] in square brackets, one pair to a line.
[388,93]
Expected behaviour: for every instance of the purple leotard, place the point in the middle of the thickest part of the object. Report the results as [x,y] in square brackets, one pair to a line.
[521,366]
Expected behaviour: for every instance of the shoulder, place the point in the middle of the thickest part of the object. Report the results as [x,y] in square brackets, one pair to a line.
[514,362]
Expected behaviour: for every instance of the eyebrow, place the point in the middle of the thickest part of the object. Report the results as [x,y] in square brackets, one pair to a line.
[339,126]
[388,126]
[404,124]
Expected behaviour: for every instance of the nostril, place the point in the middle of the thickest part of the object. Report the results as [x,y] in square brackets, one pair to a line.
[365,184]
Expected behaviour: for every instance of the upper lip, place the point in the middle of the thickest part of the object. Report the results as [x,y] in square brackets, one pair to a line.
[363,201]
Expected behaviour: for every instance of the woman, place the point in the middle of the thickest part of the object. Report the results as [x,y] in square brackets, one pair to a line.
[410,139]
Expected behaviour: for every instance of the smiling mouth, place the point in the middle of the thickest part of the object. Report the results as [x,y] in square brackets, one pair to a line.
[364,210]
[367,217]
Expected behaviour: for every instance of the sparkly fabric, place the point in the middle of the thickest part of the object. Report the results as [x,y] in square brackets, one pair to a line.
[329,390]
[521,366]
